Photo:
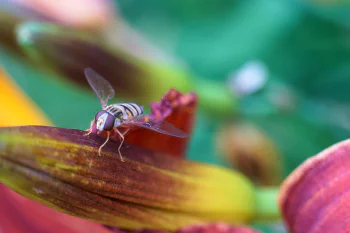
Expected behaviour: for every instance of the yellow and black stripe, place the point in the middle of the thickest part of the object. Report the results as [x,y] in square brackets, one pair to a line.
[128,110]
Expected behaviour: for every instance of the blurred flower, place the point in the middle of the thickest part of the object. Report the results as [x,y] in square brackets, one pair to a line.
[69,52]
[250,151]
[77,13]
[98,17]
[315,197]
[60,168]
[89,14]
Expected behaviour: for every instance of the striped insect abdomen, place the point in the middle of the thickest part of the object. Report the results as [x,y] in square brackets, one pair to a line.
[127,110]
[132,109]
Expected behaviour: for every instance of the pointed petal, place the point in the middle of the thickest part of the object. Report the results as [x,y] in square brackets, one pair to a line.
[61,168]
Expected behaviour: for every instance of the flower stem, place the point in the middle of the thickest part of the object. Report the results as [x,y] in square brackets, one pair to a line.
[266,204]
[216,98]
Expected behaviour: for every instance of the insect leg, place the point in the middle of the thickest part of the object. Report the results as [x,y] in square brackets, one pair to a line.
[125,132]
[90,129]
[99,149]
[121,143]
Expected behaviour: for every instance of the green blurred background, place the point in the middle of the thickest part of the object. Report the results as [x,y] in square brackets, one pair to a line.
[305,46]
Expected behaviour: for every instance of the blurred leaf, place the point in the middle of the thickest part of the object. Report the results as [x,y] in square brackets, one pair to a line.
[312,57]
[336,11]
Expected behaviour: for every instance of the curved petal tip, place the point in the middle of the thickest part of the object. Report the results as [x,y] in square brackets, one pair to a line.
[315,197]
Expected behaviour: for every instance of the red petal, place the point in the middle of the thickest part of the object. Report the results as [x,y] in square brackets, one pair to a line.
[315,197]
[19,214]
[175,108]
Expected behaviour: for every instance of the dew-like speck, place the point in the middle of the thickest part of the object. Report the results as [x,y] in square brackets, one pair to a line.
[38,191]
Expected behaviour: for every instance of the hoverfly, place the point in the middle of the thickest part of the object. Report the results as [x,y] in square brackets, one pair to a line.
[122,114]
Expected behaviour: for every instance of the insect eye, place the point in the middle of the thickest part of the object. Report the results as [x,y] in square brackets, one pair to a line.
[100,113]
[109,123]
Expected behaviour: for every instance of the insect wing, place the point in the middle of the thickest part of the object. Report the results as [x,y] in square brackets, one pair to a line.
[157,125]
[101,86]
